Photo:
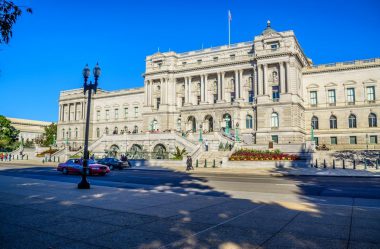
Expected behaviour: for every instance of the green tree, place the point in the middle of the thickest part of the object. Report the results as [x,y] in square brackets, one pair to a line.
[178,155]
[9,12]
[8,135]
[49,135]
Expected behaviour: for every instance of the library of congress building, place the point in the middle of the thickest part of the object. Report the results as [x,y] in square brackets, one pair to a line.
[262,90]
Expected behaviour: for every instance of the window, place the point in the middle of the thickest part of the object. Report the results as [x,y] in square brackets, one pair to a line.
[76,132]
[115,131]
[97,132]
[116,114]
[184,63]
[313,98]
[333,140]
[158,102]
[370,93]
[248,122]
[63,133]
[98,115]
[125,129]
[250,96]
[275,139]
[275,93]
[352,121]
[351,96]
[107,131]
[372,120]
[199,61]
[316,140]
[333,122]
[136,111]
[125,113]
[232,56]
[135,129]
[373,139]
[352,139]
[314,123]
[274,46]
[274,120]
[215,59]
[107,114]
[198,99]
[232,96]
[182,101]
[215,98]
[332,97]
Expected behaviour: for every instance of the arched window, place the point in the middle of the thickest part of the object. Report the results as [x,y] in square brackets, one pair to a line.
[115,130]
[106,130]
[314,122]
[76,132]
[372,120]
[333,122]
[63,133]
[248,122]
[352,121]
[274,120]
[97,132]
[135,129]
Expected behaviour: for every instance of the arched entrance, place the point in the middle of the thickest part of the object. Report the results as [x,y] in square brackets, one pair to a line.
[114,150]
[136,152]
[192,124]
[209,123]
[159,152]
[227,122]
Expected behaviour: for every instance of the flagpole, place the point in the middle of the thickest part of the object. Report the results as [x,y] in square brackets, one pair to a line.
[229,28]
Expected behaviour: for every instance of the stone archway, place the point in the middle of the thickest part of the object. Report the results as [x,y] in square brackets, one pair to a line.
[209,123]
[136,152]
[192,124]
[114,151]
[159,152]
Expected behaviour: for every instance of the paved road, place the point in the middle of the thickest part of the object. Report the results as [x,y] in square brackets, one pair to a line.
[207,183]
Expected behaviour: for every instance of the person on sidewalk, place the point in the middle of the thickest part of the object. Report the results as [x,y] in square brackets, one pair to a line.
[189,163]
[206,145]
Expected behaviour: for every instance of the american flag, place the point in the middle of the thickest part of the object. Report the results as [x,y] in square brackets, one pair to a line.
[229,16]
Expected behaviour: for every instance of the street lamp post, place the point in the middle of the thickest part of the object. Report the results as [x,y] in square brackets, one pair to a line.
[237,138]
[84,184]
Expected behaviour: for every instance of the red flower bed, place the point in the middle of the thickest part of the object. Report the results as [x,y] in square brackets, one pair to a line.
[261,155]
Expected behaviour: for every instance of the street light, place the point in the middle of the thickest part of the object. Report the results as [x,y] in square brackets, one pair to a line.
[237,138]
[84,184]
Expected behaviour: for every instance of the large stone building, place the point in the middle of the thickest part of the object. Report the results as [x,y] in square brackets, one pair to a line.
[266,90]
[29,129]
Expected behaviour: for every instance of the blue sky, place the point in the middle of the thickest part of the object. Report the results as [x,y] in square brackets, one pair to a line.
[50,47]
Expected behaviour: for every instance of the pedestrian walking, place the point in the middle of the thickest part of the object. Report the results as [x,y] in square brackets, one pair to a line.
[189,163]
[206,145]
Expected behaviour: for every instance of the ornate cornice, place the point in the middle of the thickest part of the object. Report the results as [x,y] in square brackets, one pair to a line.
[343,66]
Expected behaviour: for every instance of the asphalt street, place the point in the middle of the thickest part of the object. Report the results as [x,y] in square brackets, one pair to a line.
[215,184]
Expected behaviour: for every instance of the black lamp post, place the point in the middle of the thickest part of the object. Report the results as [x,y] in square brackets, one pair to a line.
[84,184]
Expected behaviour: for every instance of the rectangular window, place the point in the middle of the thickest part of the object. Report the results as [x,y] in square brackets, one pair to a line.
[373,139]
[250,96]
[275,139]
[215,98]
[97,115]
[316,140]
[215,59]
[232,56]
[158,102]
[232,97]
[352,139]
[274,46]
[351,96]
[125,113]
[107,114]
[136,111]
[116,114]
[275,93]
[333,140]
[199,61]
[313,98]
[370,93]
[182,101]
[332,97]
[198,99]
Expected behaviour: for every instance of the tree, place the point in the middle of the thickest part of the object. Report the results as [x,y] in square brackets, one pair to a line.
[50,134]
[178,155]
[8,135]
[9,12]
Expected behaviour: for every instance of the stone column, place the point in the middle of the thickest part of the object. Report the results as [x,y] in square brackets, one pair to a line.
[287,82]
[260,80]
[202,88]
[265,79]
[150,92]
[241,85]
[237,84]
[223,93]
[206,88]
[219,87]
[282,78]
[146,93]
[186,90]
[162,81]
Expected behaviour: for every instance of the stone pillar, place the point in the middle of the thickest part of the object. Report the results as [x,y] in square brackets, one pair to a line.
[287,82]
[150,92]
[162,91]
[206,88]
[282,78]
[260,80]
[265,79]
[146,93]
[219,87]
[223,93]
[237,84]
[241,85]
[186,90]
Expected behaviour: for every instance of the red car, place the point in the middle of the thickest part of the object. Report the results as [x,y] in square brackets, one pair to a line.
[75,166]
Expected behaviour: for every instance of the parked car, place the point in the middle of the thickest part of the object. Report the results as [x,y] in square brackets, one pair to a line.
[75,166]
[114,163]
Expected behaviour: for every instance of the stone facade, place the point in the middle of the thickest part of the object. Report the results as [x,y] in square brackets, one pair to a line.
[266,89]
[29,129]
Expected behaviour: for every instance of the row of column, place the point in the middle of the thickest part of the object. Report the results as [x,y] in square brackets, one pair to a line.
[166,87]
[65,111]
[262,78]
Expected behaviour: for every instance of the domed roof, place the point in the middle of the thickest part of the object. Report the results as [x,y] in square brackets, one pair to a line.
[268,30]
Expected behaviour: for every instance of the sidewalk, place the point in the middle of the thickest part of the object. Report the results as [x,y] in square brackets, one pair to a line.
[46,214]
